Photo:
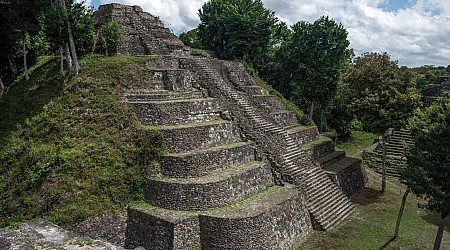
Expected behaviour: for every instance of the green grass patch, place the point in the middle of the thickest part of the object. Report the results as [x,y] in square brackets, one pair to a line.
[71,149]
[372,226]
[314,143]
[356,143]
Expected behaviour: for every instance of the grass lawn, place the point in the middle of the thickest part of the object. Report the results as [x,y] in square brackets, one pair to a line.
[372,225]
[355,144]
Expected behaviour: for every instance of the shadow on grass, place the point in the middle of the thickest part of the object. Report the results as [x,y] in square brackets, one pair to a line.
[387,243]
[366,196]
[433,218]
[24,100]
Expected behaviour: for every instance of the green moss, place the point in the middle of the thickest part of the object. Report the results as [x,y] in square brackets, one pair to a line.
[356,143]
[314,143]
[71,149]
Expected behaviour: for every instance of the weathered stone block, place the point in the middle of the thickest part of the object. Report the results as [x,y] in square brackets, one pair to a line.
[255,90]
[303,135]
[198,163]
[285,118]
[320,148]
[177,112]
[348,174]
[143,33]
[274,220]
[162,95]
[215,190]
[270,103]
[198,136]
[156,228]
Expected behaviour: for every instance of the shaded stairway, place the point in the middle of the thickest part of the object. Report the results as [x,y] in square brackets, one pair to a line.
[326,203]
[396,145]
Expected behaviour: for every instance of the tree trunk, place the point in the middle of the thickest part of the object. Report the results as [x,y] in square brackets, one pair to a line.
[2,88]
[400,213]
[12,64]
[383,164]
[73,52]
[321,120]
[437,241]
[61,61]
[68,58]
[25,66]
[76,67]
[311,111]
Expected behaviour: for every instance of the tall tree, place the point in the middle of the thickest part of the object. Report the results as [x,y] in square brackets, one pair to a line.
[236,29]
[190,38]
[2,88]
[20,26]
[111,36]
[428,171]
[73,51]
[382,96]
[315,58]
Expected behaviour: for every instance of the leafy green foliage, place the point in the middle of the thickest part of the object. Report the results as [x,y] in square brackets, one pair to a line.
[236,29]
[427,74]
[381,94]
[428,171]
[190,38]
[112,37]
[82,21]
[315,58]
[70,148]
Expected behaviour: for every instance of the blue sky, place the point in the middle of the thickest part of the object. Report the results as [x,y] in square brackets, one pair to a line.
[414,32]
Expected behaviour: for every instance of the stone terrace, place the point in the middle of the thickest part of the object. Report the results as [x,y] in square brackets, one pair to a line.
[240,172]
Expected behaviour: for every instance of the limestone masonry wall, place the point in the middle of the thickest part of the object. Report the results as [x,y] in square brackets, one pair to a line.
[201,163]
[185,138]
[227,187]
[274,228]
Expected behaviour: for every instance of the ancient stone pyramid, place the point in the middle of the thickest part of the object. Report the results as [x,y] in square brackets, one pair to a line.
[240,171]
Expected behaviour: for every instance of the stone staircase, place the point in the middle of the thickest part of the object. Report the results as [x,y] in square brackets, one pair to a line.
[325,201]
[209,177]
[395,153]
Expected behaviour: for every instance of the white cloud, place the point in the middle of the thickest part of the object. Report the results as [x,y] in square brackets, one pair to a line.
[415,34]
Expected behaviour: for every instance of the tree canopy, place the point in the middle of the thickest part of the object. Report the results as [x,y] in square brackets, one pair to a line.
[236,29]
[382,95]
[428,171]
[315,58]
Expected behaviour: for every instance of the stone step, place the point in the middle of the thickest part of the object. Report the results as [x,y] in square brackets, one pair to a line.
[176,112]
[302,135]
[284,118]
[199,135]
[163,96]
[324,212]
[339,213]
[331,158]
[400,142]
[319,199]
[255,90]
[316,189]
[210,191]
[338,217]
[274,219]
[201,162]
